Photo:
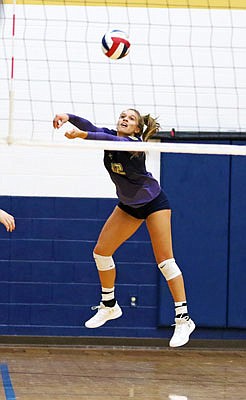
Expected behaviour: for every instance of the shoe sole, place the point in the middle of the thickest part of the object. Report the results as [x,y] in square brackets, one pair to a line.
[109,319]
[183,343]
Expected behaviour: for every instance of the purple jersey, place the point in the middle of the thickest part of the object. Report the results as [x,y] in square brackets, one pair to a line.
[134,185]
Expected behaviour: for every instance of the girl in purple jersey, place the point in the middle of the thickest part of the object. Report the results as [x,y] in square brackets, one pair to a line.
[140,199]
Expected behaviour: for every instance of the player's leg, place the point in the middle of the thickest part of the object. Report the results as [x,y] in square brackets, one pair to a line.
[159,228]
[119,227]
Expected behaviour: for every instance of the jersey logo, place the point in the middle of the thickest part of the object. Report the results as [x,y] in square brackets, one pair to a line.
[117,168]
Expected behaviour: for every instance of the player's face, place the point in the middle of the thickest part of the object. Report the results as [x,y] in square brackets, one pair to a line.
[127,124]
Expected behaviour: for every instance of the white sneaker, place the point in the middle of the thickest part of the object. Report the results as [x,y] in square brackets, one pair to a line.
[177,397]
[183,328]
[103,315]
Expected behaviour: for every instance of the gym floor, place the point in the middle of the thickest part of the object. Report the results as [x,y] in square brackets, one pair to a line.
[111,373]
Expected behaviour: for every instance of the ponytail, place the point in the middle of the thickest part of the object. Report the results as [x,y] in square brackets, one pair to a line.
[152,127]
[148,125]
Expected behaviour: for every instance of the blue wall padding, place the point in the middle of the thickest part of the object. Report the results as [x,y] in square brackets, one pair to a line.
[49,278]
[237,258]
[198,187]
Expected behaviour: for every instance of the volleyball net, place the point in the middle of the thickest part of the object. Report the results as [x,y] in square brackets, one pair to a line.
[186,66]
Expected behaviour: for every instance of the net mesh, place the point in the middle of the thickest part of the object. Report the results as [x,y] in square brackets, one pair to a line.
[186,64]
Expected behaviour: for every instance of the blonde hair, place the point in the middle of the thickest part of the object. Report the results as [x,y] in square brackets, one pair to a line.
[148,125]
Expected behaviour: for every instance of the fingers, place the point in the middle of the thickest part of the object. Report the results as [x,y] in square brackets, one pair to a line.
[71,134]
[59,120]
[56,124]
[10,224]
[74,133]
[7,220]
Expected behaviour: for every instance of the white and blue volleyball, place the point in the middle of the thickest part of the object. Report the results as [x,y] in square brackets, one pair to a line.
[115,44]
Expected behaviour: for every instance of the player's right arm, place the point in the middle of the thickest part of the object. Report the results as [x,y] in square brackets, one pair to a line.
[80,123]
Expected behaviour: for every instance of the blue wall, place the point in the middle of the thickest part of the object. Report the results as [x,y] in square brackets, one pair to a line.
[208,196]
[237,241]
[48,279]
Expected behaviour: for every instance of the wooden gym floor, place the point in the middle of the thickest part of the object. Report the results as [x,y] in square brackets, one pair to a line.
[104,373]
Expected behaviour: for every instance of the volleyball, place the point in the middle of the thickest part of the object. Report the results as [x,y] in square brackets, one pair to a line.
[115,44]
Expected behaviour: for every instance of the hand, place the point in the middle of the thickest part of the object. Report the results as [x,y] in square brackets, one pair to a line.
[74,133]
[7,220]
[59,120]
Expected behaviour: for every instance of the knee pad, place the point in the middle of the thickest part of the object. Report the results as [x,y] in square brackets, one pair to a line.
[169,269]
[103,263]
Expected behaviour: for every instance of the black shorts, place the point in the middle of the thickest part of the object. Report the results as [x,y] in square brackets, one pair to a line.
[159,203]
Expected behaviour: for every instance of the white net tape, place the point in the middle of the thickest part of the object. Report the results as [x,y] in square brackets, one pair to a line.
[189,148]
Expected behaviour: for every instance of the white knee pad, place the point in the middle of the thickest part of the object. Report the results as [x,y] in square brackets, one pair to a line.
[104,263]
[169,269]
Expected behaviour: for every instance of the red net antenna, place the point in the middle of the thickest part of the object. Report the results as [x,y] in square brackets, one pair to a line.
[11,89]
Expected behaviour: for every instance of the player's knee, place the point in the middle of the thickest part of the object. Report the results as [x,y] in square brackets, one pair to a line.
[103,263]
[169,269]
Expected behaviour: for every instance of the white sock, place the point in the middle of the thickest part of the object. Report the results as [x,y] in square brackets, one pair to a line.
[108,297]
[181,309]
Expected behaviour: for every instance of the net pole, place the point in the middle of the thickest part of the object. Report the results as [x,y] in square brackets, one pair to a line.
[11,88]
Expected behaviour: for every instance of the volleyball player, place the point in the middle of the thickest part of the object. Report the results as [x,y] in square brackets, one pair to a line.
[7,220]
[140,199]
